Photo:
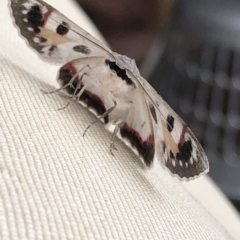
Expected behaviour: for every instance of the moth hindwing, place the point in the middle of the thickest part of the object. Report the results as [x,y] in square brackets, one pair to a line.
[110,85]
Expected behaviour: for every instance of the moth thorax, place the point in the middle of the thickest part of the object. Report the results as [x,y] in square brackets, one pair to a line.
[125,62]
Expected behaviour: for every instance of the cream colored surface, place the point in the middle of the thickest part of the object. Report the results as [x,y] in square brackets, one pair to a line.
[211,197]
[55,184]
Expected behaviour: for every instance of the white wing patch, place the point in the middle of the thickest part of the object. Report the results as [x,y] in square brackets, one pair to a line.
[110,85]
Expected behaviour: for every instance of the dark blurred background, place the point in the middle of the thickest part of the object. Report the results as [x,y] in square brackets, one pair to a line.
[189,50]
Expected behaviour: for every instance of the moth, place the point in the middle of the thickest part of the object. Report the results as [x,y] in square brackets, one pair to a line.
[110,85]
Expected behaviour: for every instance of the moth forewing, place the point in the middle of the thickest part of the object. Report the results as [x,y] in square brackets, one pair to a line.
[177,148]
[51,34]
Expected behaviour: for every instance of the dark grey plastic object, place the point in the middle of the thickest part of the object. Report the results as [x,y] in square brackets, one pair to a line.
[199,75]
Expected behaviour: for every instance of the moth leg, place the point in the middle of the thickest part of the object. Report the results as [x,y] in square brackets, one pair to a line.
[99,118]
[112,144]
[70,83]
[117,126]
[76,95]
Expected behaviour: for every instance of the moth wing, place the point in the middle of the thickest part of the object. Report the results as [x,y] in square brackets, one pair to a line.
[138,130]
[82,79]
[176,146]
[53,35]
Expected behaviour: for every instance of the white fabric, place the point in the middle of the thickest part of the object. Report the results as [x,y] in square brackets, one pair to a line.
[205,191]
[55,184]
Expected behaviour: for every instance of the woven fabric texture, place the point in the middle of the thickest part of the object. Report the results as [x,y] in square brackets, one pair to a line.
[56,184]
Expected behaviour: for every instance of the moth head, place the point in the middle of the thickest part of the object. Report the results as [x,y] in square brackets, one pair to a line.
[127,63]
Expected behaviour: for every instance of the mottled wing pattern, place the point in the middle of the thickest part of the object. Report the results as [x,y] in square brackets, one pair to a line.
[54,36]
[176,146]
[138,130]
[103,80]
